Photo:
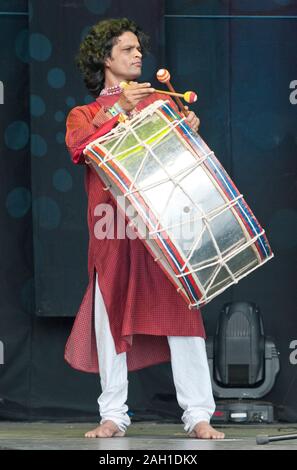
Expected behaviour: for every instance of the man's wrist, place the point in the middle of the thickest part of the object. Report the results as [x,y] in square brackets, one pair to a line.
[116,109]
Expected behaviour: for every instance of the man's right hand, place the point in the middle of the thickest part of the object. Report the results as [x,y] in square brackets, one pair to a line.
[133,93]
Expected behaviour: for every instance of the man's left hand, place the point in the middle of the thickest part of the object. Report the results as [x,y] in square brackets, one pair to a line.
[192,120]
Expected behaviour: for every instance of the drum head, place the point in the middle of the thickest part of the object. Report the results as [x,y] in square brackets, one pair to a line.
[190,215]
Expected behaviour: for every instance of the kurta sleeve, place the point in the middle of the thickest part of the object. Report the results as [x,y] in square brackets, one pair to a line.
[82,128]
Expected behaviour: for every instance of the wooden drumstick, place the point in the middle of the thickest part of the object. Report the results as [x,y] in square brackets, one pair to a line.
[188,96]
[124,84]
[164,77]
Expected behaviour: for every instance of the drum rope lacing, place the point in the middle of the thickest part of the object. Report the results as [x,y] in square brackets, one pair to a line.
[221,260]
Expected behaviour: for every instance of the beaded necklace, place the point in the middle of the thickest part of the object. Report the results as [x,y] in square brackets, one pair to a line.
[113,90]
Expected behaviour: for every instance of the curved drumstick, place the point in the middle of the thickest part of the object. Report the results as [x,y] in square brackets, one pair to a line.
[164,77]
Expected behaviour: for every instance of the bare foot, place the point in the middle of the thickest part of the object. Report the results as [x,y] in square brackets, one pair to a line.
[203,430]
[106,429]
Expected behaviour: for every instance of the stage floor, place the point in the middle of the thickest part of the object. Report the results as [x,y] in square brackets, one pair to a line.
[140,436]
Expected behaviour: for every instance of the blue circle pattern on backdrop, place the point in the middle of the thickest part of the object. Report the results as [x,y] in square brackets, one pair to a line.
[46,213]
[35,45]
[56,77]
[88,99]
[62,180]
[40,47]
[70,101]
[17,135]
[18,202]
[37,105]
[59,116]
[38,145]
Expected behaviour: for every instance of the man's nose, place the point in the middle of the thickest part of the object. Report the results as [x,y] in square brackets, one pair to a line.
[138,54]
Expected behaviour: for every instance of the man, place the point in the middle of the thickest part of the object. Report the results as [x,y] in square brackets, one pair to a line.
[131,315]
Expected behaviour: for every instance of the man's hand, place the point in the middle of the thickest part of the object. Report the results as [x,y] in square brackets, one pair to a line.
[192,120]
[133,93]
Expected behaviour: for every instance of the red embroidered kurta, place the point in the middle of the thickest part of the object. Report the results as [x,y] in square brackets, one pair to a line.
[142,305]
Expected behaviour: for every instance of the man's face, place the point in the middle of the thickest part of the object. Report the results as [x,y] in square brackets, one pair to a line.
[126,59]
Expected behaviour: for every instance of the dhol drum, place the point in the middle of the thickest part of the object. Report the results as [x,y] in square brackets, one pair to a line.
[198,226]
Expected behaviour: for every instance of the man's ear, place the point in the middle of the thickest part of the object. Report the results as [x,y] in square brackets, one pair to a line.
[107,62]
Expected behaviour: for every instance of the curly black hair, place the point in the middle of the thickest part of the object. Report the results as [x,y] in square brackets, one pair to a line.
[97,47]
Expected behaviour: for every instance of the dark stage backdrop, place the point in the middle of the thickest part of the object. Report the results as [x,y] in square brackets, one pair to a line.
[59,207]
[242,65]
[240,58]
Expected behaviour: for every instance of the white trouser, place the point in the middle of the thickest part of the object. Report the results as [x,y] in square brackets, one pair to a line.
[189,367]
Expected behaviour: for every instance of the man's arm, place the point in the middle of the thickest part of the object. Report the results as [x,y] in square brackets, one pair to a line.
[82,128]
